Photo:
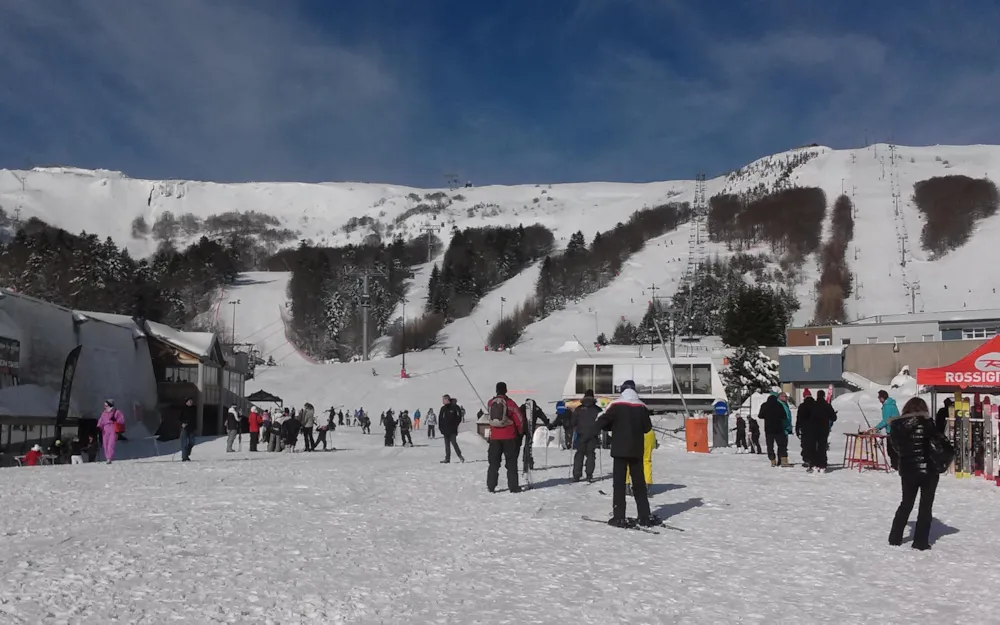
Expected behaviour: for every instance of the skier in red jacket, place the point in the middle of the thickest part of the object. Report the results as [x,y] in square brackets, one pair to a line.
[255,421]
[506,426]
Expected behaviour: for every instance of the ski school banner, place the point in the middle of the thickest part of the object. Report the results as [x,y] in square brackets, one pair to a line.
[981,368]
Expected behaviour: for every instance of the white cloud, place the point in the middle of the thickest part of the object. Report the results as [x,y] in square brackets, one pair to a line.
[200,83]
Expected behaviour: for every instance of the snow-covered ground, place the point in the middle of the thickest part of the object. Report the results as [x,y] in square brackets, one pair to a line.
[368,534]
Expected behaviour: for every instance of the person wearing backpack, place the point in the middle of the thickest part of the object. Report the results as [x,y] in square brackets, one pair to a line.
[922,454]
[506,426]
[628,419]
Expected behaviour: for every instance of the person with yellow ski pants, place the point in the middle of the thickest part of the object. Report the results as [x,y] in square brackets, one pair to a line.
[648,445]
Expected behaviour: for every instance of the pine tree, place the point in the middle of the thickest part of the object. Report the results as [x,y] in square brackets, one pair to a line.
[754,315]
[749,372]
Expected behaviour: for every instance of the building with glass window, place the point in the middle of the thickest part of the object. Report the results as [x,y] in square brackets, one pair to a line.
[905,328]
[695,378]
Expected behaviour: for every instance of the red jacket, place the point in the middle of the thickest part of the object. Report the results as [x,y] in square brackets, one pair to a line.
[509,432]
[32,458]
[255,422]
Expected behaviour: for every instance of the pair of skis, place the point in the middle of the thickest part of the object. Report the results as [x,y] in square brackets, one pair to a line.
[633,524]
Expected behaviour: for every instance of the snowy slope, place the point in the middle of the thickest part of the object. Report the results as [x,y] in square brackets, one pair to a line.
[105,202]
[369,534]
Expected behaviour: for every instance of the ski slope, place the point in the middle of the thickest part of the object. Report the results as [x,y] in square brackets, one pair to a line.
[261,316]
[369,534]
[105,202]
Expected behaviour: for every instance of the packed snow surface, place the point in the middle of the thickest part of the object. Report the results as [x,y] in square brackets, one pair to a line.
[368,534]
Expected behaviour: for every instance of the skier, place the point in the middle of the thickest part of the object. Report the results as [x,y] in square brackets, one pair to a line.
[416,419]
[449,417]
[431,421]
[804,430]
[366,424]
[329,426]
[34,457]
[340,417]
[917,445]
[390,429]
[584,423]
[563,419]
[108,426]
[254,423]
[889,411]
[628,420]
[506,425]
[290,431]
[818,432]
[773,416]
[741,433]
[754,435]
[189,421]
[308,418]
[532,414]
[232,427]
[76,451]
[404,429]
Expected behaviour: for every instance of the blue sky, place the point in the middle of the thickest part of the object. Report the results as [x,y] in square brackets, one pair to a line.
[406,91]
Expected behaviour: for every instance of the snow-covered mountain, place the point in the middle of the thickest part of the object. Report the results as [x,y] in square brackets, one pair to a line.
[107,202]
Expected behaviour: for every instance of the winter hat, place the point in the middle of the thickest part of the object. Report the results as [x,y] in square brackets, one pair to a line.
[589,393]
[628,384]
[807,393]
[501,388]
[110,403]
[36,448]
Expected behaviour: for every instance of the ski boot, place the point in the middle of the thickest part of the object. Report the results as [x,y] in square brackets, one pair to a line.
[651,521]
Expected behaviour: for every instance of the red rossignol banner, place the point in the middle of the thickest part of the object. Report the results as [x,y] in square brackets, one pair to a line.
[981,368]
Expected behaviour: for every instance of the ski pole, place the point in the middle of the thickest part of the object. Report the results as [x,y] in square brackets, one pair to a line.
[600,459]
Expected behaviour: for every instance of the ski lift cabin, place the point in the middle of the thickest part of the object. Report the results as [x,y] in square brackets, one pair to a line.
[697,377]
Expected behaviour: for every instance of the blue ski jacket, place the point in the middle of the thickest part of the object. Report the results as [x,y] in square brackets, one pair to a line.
[889,410]
[788,415]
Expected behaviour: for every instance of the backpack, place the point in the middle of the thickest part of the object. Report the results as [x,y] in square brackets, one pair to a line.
[498,413]
[941,452]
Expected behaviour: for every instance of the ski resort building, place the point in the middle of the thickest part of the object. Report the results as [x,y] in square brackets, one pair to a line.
[147,368]
[816,368]
[963,325]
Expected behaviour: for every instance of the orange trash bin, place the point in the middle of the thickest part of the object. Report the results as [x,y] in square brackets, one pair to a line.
[696,435]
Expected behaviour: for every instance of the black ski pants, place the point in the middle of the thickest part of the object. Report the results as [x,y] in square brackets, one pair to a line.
[307,438]
[254,439]
[741,440]
[320,438]
[623,467]
[390,438]
[755,444]
[507,451]
[430,431]
[404,436]
[782,441]
[808,449]
[451,440]
[926,485]
[820,443]
[585,450]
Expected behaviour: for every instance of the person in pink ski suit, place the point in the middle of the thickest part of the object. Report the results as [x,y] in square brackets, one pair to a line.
[109,419]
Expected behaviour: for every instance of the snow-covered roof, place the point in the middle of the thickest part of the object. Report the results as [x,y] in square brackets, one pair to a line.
[812,350]
[196,343]
[932,317]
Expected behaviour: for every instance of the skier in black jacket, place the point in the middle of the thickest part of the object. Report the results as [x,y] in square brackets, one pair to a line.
[584,423]
[804,430]
[911,435]
[448,419]
[741,432]
[390,429]
[818,432]
[532,415]
[941,418]
[628,419]
[405,425]
[774,428]
[754,435]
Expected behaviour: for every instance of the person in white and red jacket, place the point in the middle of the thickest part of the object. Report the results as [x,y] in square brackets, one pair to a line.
[505,431]
[628,420]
